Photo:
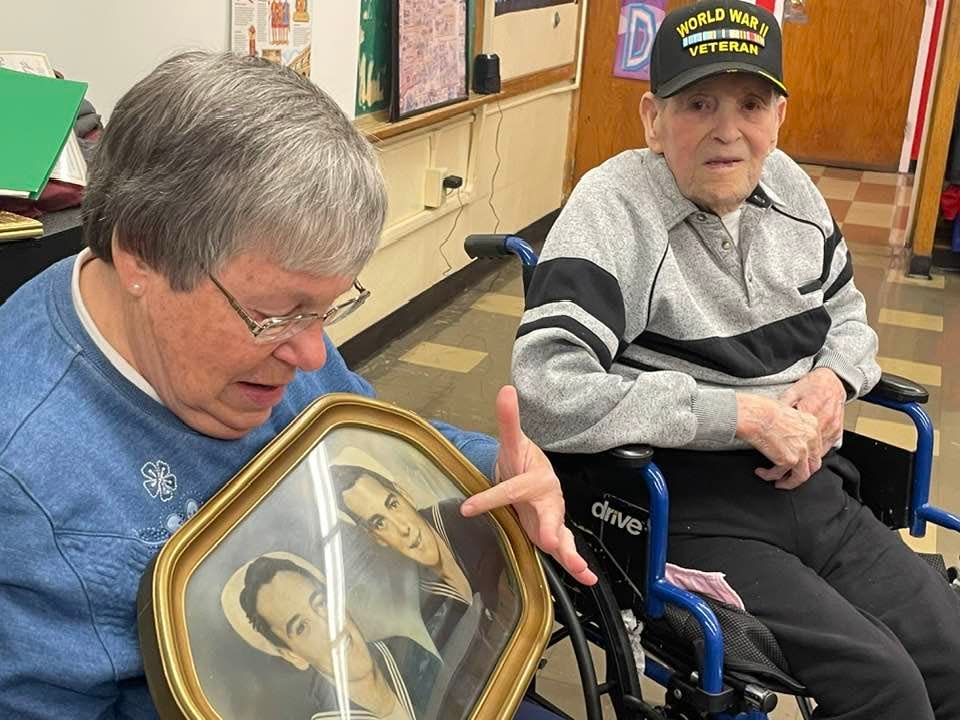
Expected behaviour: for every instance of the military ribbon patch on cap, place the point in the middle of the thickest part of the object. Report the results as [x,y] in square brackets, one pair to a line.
[726,34]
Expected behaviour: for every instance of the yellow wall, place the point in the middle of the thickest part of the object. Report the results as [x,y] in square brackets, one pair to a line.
[533,39]
[532,147]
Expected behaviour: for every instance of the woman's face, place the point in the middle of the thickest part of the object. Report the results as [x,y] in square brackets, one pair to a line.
[201,358]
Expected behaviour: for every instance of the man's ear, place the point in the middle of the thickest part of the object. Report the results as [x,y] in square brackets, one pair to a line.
[291,657]
[781,111]
[132,271]
[650,109]
[406,496]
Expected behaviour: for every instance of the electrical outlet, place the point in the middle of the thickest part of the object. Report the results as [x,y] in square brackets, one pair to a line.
[433,192]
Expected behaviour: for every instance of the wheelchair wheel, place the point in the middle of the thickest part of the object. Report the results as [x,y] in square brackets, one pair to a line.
[566,615]
[592,616]
[605,628]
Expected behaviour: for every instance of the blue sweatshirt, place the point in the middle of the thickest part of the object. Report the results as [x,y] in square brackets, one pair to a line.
[94,477]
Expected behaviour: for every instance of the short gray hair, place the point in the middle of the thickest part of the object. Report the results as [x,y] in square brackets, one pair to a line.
[213,154]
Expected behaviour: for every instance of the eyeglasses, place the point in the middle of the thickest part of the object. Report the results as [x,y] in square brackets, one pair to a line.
[278,329]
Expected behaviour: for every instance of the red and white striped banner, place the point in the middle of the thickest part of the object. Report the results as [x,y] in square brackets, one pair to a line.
[774,6]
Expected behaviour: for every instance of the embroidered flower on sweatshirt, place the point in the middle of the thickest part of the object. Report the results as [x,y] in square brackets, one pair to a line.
[158,480]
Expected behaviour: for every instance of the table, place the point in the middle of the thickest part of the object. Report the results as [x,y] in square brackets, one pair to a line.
[22,259]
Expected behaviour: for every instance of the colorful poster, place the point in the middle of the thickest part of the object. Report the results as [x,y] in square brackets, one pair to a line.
[278,31]
[508,6]
[638,26]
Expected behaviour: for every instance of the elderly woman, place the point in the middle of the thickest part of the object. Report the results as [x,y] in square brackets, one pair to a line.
[232,205]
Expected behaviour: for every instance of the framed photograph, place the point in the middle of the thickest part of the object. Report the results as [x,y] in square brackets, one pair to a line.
[334,576]
[429,55]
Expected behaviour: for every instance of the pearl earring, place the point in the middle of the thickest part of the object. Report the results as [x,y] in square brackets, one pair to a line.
[136,288]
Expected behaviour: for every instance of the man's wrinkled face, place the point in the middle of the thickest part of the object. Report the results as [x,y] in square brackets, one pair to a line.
[715,136]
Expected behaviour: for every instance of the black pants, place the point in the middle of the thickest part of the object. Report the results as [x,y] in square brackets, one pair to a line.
[866,625]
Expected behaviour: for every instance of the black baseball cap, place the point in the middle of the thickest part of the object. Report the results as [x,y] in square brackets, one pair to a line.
[714,37]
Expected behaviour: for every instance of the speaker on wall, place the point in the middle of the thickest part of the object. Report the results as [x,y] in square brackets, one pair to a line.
[486,74]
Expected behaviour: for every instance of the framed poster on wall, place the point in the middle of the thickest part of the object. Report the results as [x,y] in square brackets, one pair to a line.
[430,55]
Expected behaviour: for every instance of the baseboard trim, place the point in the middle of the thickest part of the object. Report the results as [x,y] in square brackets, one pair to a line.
[920,266]
[369,342]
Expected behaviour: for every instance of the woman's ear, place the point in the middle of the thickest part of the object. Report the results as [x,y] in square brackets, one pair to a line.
[131,270]
[650,109]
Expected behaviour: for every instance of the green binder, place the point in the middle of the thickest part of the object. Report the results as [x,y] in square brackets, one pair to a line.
[36,120]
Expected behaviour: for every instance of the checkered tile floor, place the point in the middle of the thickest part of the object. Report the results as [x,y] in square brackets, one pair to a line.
[870,207]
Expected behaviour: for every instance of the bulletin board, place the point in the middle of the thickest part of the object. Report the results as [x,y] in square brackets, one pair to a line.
[430,56]
[375,63]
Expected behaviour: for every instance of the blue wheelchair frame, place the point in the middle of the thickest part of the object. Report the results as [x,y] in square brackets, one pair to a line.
[660,592]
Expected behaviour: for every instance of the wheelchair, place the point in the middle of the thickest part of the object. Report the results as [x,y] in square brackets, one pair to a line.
[714,661]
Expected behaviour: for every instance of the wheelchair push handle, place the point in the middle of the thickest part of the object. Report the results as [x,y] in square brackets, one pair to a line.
[493,246]
[486,246]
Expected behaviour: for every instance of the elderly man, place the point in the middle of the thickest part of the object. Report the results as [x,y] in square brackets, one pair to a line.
[232,204]
[697,296]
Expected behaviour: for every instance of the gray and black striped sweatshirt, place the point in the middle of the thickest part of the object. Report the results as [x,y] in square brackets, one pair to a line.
[643,317]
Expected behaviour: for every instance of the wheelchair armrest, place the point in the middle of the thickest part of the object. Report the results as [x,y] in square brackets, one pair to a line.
[629,457]
[894,388]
